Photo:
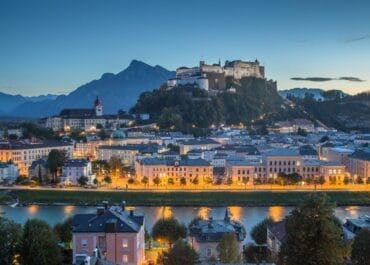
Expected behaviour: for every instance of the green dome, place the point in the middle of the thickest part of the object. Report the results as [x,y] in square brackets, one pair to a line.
[118,134]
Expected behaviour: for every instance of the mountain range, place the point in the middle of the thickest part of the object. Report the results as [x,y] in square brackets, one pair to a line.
[116,91]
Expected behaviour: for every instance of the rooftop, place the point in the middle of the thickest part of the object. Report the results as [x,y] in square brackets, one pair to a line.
[113,219]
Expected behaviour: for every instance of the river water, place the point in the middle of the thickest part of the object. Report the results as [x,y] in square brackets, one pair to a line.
[248,216]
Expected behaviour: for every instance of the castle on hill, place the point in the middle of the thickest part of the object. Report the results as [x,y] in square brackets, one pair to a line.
[213,77]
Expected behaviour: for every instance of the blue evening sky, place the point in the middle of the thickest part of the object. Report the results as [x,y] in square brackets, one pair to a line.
[54,46]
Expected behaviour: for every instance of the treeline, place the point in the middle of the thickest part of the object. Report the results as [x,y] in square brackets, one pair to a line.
[187,108]
[35,243]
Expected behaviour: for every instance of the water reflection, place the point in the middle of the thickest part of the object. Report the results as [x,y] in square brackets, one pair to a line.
[33,209]
[204,212]
[248,216]
[277,213]
[68,209]
[236,212]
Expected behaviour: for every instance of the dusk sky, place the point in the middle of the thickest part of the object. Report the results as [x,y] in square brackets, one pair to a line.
[56,46]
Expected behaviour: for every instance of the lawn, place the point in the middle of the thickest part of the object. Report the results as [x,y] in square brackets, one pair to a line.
[264,198]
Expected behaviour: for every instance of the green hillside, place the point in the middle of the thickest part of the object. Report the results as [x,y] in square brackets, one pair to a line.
[189,108]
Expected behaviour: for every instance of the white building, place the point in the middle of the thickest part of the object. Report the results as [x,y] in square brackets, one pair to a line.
[23,154]
[74,169]
[8,173]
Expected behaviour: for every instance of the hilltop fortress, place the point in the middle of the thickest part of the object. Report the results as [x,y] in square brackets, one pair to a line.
[213,77]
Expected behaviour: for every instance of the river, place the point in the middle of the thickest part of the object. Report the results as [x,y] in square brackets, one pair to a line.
[248,216]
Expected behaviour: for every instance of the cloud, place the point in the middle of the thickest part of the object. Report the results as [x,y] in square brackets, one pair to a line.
[312,79]
[360,38]
[351,78]
[325,79]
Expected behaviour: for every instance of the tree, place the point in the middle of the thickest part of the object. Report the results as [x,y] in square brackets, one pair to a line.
[228,249]
[180,253]
[229,181]
[361,248]
[195,181]
[157,181]
[131,181]
[346,180]
[64,231]
[39,244]
[169,230]
[82,181]
[321,180]
[55,161]
[145,180]
[259,231]
[359,180]
[107,179]
[245,181]
[183,181]
[115,165]
[313,235]
[10,243]
[256,254]
[170,181]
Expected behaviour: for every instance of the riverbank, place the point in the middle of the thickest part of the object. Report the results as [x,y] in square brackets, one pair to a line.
[204,198]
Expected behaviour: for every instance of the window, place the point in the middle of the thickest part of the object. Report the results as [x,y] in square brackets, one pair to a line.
[208,252]
[125,243]
[124,258]
[84,242]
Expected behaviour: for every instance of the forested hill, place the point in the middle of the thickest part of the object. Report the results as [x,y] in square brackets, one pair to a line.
[348,113]
[183,108]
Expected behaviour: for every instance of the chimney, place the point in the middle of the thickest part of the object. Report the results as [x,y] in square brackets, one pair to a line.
[105,203]
[131,213]
[123,206]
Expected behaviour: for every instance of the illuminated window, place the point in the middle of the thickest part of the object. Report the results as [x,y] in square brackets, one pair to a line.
[125,258]
[124,242]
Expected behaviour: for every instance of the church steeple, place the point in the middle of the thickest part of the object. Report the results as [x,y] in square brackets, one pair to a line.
[98,107]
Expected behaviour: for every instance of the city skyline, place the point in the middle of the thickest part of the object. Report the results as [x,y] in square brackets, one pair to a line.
[54,47]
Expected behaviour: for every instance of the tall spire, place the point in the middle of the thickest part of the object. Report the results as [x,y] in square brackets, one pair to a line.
[219,61]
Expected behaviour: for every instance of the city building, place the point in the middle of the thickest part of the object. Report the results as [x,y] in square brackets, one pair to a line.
[189,169]
[359,165]
[205,235]
[87,119]
[276,236]
[88,149]
[39,170]
[74,169]
[118,233]
[8,173]
[127,153]
[193,144]
[284,161]
[353,226]
[24,153]
[245,171]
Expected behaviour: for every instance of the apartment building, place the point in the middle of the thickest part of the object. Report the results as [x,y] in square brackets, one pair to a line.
[174,169]
[117,233]
[22,154]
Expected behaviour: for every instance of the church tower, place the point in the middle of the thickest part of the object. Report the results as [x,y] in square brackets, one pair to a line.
[98,107]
